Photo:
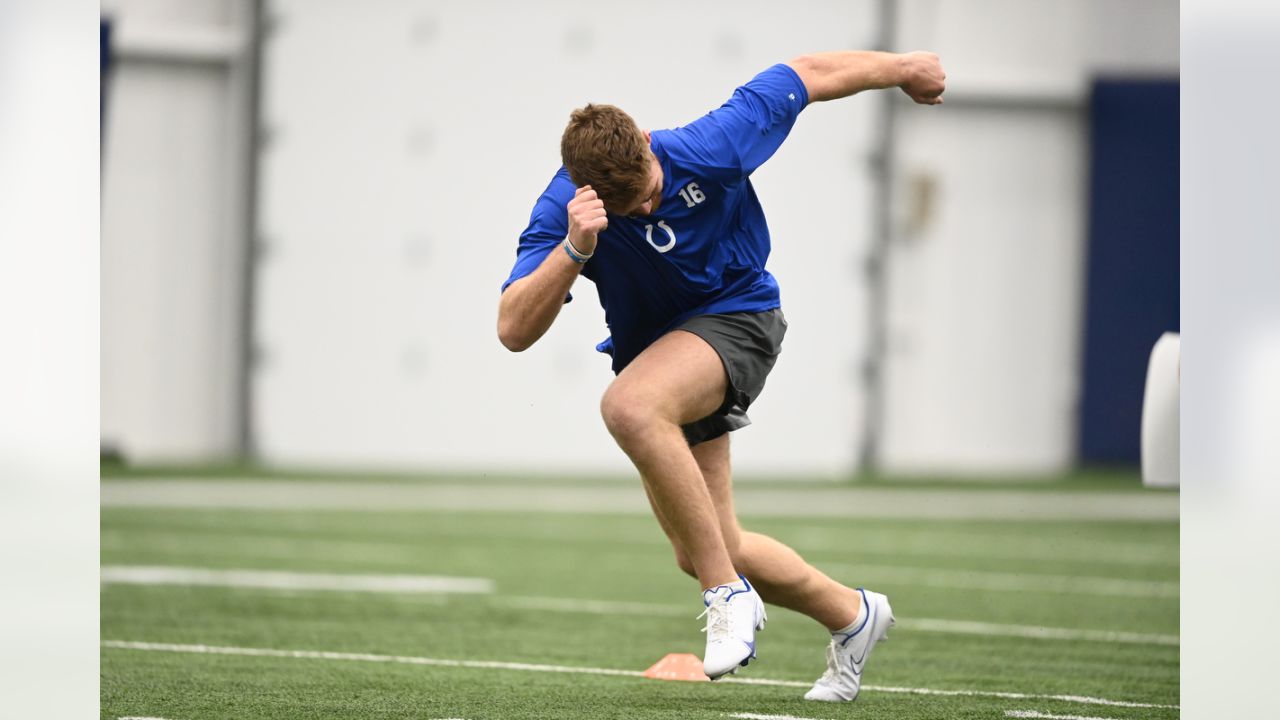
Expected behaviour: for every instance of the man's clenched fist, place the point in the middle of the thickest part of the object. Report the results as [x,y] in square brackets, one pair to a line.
[925,79]
[586,219]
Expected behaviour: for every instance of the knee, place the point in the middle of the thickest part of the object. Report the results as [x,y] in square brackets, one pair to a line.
[624,414]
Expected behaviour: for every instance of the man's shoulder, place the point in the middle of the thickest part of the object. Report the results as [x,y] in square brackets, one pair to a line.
[697,149]
[557,194]
[560,186]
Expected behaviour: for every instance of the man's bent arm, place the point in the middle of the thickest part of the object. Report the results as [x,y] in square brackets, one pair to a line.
[834,75]
[530,304]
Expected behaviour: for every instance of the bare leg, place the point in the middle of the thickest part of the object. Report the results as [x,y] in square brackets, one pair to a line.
[783,578]
[778,573]
[676,380]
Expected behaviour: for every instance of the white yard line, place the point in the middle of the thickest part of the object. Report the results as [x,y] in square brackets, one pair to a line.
[937,625]
[928,544]
[282,580]
[530,497]
[364,657]
[1036,632]
[998,581]
[1046,716]
[493,665]
[1081,699]
[757,716]
[590,607]
[990,546]
[439,585]
[869,574]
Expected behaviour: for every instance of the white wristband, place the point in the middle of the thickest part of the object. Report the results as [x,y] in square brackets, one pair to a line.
[573,252]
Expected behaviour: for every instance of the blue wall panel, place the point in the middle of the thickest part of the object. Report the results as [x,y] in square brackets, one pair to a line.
[1132,265]
[104,54]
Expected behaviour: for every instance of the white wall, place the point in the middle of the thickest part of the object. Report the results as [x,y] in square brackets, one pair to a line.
[409,140]
[986,290]
[172,184]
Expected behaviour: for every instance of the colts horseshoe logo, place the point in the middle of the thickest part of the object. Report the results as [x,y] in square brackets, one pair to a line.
[671,242]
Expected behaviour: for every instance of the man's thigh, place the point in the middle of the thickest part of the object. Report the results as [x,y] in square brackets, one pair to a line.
[680,376]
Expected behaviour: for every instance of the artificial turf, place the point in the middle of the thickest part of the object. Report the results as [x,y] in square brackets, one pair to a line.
[1003,572]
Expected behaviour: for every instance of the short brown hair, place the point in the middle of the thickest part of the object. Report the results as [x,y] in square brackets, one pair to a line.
[604,148]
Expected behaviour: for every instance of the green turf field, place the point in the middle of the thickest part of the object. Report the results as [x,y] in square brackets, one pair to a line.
[1012,618]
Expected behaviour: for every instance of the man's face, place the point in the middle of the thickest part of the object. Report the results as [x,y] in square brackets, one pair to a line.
[649,202]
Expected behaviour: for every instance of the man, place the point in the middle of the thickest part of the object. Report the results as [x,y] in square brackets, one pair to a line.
[669,228]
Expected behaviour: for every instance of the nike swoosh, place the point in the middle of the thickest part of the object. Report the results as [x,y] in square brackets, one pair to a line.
[871,626]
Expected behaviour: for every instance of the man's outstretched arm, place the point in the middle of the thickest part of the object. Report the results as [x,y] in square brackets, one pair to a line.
[530,304]
[834,75]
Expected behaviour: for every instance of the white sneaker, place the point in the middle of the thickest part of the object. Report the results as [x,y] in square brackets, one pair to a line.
[734,613]
[848,652]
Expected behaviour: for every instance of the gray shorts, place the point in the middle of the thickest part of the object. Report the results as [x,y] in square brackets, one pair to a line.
[748,344]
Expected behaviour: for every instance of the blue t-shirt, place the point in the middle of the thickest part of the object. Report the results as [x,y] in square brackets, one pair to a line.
[703,250]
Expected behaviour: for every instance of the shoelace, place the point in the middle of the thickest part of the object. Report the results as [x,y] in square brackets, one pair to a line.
[833,665]
[718,620]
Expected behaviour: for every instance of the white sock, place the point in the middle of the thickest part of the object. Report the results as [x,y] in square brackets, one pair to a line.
[862,609]
[735,585]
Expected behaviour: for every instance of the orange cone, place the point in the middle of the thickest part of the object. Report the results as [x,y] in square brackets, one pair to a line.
[678,666]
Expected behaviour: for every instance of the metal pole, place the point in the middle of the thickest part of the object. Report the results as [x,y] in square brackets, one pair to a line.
[245,446]
[876,268]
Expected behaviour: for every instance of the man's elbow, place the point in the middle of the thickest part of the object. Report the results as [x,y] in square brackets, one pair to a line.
[804,64]
[512,338]
[809,69]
